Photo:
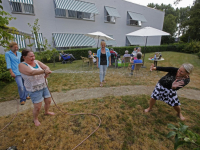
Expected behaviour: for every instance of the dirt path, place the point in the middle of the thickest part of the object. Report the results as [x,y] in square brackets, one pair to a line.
[9,107]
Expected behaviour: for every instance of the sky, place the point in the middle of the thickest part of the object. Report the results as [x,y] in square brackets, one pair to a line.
[183,3]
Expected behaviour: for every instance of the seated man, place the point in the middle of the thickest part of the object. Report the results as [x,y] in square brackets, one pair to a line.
[91,56]
[113,52]
[138,60]
[126,55]
[65,55]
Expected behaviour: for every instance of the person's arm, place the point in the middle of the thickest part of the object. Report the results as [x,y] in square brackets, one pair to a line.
[8,63]
[43,66]
[109,60]
[165,69]
[28,71]
[177,84]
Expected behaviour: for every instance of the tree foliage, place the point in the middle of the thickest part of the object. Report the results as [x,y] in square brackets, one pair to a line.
[193,22]
[5,31]
[170,20]
[35,30]
[183,136]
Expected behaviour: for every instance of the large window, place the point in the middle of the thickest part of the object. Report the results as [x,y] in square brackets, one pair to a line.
[74,14]
[18,7]
[135,19]
[110,14]
[75,9]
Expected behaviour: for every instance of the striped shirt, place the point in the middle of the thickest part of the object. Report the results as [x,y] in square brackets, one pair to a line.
[13,61]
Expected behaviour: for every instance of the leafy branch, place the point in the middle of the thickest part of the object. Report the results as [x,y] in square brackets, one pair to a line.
[183,136]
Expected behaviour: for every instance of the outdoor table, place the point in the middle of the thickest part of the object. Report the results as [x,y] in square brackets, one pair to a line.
[156,61]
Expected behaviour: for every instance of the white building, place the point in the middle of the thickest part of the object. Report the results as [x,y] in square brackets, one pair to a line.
[64,22]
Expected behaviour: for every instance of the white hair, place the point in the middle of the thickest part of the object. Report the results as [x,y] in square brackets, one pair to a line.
[126,51]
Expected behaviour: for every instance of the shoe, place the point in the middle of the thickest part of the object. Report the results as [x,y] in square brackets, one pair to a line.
[131,73]
[28,97]
[22,103]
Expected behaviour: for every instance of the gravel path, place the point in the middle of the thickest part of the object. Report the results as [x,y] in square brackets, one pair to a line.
[9,107]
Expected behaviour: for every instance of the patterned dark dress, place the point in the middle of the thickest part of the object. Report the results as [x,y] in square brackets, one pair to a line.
[163,90]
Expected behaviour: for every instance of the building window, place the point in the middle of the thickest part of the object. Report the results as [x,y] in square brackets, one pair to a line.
[18,7]
[135,19]
[39,43]
[73,14]
[110,14]
[20,40]
[72,40]
[75,9]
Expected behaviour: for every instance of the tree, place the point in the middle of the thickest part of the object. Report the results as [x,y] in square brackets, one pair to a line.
[170,21]
[193,22]
[5,31]
[182,18]
[170,27]
[35,30]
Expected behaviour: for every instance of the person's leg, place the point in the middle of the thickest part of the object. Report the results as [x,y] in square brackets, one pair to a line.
[178,110]
[131,72]
[47,102]
[36,110]
[21,89]
[104,72]
[101,74]
[151,103]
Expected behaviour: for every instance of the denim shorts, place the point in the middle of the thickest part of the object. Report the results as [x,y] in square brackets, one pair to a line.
[38,96]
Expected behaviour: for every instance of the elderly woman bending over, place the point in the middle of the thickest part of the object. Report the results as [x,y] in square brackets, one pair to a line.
[167,86]
[34,73]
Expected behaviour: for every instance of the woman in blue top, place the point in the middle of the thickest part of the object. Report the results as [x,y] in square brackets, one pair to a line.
[138,60]
[103,61]
[12,60]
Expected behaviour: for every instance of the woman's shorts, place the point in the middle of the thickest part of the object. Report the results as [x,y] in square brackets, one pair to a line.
[38,96]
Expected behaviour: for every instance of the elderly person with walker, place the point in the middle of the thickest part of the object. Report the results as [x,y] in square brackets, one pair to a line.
[103,61]
[167,86]
[34,74]
[12,60]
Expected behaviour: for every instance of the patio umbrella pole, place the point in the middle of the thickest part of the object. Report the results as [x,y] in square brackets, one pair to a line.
[98,42]
[144,52]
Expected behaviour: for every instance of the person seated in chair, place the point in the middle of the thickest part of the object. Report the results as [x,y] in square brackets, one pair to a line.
[134,52]
[113,52]
[90,56]
[65,55]
[126,55]
[139,50]
[138,60]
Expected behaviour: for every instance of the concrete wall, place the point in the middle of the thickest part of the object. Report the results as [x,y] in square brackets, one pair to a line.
[44,10]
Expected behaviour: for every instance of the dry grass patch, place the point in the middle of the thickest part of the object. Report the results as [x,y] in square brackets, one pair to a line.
[124,125]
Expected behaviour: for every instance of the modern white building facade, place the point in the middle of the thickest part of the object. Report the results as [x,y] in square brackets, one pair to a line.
[64,22]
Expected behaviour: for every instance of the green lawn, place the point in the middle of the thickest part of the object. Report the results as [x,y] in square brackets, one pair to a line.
[86,77]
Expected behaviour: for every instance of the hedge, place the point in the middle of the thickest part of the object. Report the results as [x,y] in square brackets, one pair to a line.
[121,50]
[4,73]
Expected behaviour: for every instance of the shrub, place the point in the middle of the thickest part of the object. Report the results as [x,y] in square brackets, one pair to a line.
[192,47]
[183,136]
[4,73]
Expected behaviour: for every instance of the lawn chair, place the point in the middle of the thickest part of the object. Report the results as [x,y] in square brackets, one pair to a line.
[85,60]
[65,59]
[136,68]
[91,63]
[126,60]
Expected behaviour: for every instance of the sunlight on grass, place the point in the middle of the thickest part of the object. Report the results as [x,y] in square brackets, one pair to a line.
[124,125]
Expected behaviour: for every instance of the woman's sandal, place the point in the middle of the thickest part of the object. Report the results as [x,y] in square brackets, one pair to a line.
[104,81]
[101,84]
